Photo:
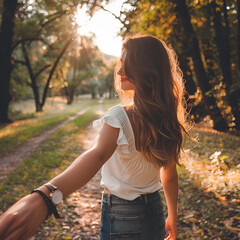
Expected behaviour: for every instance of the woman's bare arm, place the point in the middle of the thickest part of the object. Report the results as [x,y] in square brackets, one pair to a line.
[87,164]
[169,179]
[23,219]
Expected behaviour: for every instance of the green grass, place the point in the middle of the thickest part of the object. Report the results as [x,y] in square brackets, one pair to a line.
[110,103]
[214,163]
[210,143]
[13,135]
[57,152]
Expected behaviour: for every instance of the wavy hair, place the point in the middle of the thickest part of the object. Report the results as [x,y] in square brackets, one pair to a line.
[157,109]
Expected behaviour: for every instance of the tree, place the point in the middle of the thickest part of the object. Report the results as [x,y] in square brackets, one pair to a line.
[34,75]
[6,39]
[223,46]
[203,80]
[108,79]
[238,34]
[84,66]
[46,13]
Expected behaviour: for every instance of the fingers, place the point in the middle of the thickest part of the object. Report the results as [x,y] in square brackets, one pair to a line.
[171,234]
[170,237]
[11,224]
[26,236]
[18,234]
[5,224]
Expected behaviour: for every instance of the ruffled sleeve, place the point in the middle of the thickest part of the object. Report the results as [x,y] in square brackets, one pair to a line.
[114,118]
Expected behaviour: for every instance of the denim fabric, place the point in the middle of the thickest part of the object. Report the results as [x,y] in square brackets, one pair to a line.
[140,219]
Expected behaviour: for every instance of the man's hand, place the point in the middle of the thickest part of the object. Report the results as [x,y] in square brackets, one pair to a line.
[23,219]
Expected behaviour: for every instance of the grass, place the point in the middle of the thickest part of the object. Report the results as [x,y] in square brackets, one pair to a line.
[110,103]
[209,143]
[214,163]
[13,135]
[50,159]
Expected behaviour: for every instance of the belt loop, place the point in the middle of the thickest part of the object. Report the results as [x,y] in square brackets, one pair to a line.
[109,200]
[145,199]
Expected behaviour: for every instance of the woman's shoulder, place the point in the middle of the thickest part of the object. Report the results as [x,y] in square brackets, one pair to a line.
[121,113]
[116,110]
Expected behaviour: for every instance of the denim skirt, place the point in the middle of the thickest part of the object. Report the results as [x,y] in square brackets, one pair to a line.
[140,219]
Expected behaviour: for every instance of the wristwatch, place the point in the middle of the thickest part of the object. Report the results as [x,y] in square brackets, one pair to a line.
[50,206]
[56,195]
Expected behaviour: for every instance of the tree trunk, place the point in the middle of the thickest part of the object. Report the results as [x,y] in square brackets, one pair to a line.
[238,34]
[208,55]
[223,46]
[93,95]
[113,92]
[52,71]
[6,39]
[110,92]
[72,84]
[202,78]
[181,47]
[66,93]
[71,95]
[187,74]
[33,79]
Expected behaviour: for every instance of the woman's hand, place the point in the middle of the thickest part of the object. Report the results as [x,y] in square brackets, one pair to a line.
[23,219]
[169,178]
[171,228]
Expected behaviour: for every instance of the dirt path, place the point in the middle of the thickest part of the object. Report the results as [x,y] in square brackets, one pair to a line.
[11,161]
[81,210]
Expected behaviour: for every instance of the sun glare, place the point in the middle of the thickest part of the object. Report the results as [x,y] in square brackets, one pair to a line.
[82,20]
[105,27]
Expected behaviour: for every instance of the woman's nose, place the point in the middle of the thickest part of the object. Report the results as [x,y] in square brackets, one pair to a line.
[120,71]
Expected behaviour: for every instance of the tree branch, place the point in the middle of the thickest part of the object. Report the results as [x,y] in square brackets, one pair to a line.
[42,69]
[53,69]
[55,16]
[27,61]
[104,9]
[30,40]
[20,62]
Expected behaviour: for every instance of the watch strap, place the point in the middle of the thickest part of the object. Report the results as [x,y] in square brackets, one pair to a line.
[50,206]
[51,187]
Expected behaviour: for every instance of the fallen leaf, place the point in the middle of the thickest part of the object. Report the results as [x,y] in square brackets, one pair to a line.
[233,229]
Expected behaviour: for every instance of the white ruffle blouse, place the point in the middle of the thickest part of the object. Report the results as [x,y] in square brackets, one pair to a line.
[126,174]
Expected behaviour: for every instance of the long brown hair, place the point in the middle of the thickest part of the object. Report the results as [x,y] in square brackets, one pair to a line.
[157,109]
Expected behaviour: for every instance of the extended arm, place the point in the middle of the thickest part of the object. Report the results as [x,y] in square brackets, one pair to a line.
[169,179]
[23,219]
[87,165]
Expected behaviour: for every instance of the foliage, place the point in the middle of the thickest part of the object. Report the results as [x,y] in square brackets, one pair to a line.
[107,80]
[42,22]
[38,50]
[81,69]
[161,19]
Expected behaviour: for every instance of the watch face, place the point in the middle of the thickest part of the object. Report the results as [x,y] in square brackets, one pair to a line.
[57,197]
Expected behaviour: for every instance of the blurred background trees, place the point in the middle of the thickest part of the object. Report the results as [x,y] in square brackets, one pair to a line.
[42,54]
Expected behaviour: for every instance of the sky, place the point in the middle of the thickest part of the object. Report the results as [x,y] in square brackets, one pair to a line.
[105,26]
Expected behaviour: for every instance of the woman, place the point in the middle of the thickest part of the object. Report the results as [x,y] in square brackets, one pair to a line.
[138,145]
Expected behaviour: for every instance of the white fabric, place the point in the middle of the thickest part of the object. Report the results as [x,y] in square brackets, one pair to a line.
[126,174]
